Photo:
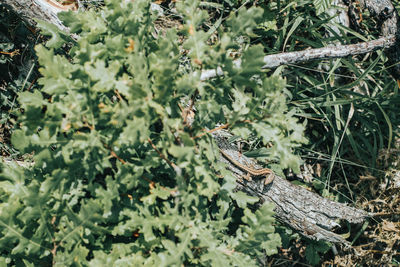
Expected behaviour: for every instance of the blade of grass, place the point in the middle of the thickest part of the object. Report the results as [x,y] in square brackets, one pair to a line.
[337,144]
[388,123]
[296,24]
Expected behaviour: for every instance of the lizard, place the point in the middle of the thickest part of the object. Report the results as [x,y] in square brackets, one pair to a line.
[71,5]
[268,173]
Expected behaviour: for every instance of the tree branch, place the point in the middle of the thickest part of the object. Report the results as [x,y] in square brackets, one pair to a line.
[29,10]
[336,51]
[306,212]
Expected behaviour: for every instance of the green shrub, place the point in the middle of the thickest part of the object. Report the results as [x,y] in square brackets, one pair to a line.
[100,193]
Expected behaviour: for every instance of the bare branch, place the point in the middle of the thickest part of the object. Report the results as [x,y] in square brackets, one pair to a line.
[272,61]
[29,10]
[308,213]
[334,51]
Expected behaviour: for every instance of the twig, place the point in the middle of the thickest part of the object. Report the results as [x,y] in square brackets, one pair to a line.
[113,154]
[173,165]
[118,95]
[116,156]
[11,54]
[32,83]
[212,130]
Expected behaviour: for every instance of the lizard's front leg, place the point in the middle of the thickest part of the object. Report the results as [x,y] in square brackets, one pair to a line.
[247,177]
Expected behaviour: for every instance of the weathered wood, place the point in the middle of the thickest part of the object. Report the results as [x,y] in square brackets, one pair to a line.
[308,213]
[389,22]
[29,10]
[328,52]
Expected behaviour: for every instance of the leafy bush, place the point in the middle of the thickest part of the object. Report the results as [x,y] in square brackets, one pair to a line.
[118,178]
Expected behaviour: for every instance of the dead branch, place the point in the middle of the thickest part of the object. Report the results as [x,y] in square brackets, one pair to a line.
[334,51]
[273,61]
[29,10]
[308,213]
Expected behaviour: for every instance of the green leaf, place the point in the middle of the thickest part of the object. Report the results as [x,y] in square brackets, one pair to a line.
[19,140]
[103,76]
[245,20]
[271,246]
[58,37]
[242,199]
[321,5]
[34,99]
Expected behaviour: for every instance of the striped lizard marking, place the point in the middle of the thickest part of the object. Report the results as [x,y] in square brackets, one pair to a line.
[60,7]
[268,173]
